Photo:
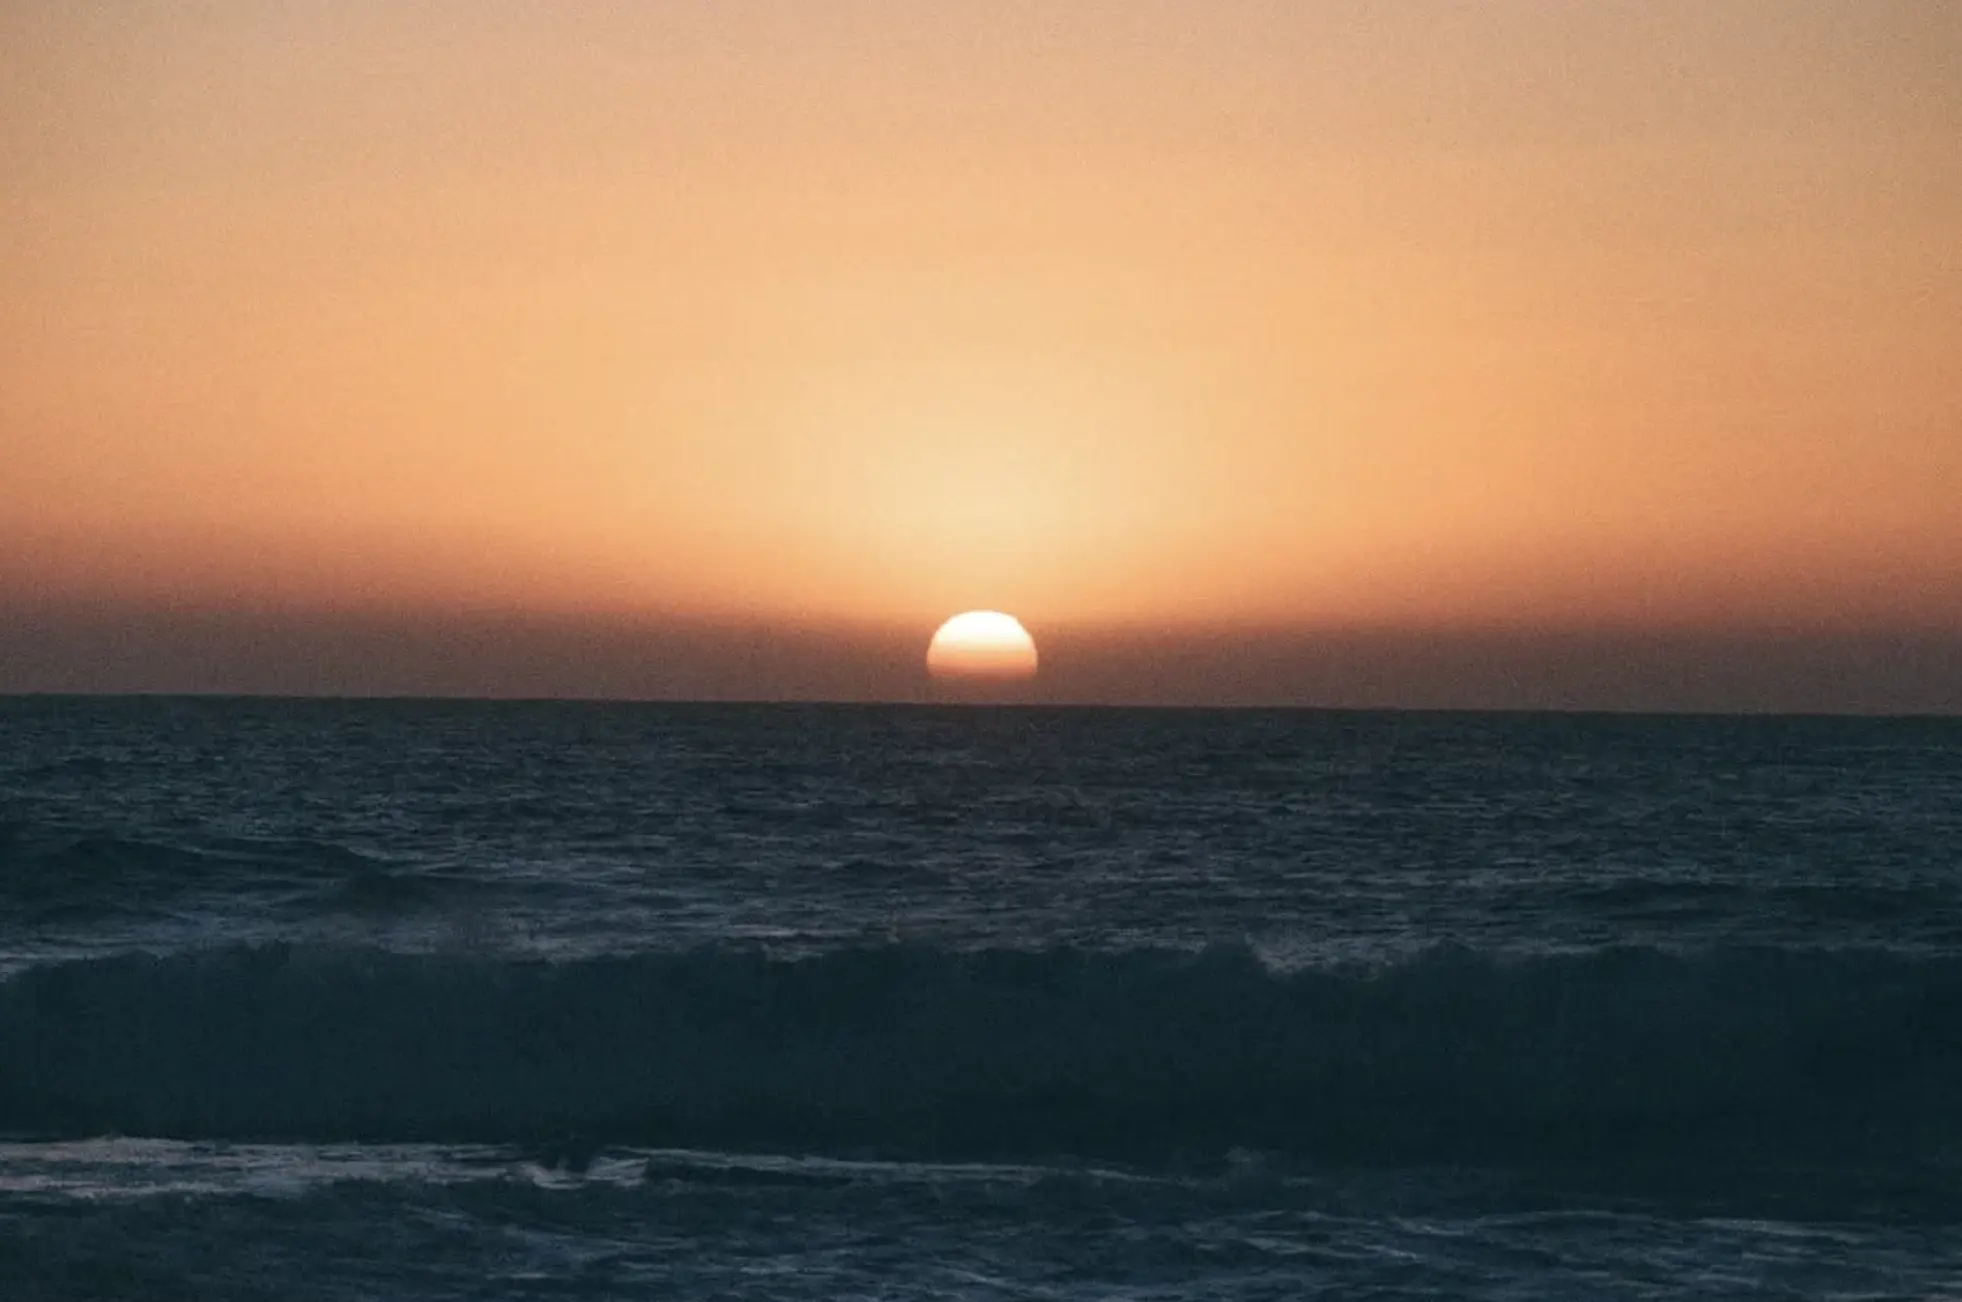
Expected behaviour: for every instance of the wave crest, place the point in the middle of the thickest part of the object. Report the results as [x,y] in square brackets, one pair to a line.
[1621,1054]
[51,873]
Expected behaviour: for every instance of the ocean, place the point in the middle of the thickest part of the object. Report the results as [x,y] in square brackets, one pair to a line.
[337,1000]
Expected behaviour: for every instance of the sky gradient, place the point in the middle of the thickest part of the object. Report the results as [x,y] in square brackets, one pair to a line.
[1201,336]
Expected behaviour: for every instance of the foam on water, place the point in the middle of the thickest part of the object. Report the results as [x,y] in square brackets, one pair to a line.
[168,1220]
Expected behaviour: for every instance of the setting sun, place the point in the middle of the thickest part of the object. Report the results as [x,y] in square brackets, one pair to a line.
[982,644]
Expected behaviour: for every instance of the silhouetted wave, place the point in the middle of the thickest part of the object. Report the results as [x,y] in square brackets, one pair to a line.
[1612,1057]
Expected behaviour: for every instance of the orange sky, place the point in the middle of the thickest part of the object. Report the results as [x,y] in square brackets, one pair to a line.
[1194,312]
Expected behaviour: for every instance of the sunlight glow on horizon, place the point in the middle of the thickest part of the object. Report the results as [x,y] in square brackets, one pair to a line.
[1222,314]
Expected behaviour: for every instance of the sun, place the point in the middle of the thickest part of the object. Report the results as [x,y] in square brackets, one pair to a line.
[982,644]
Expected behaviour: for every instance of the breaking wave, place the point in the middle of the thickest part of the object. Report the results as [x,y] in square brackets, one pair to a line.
[1620,1055]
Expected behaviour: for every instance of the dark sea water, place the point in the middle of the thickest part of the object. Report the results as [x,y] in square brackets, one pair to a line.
[404,1000]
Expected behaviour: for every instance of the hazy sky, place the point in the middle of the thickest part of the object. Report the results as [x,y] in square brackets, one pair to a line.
[1206,319]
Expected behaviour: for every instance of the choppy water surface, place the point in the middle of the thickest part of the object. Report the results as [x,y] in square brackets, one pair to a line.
[307,999]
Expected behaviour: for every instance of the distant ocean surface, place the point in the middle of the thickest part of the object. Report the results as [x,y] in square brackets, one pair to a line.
[348,1000]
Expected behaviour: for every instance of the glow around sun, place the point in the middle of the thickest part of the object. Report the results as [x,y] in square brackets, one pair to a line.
[982,644]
